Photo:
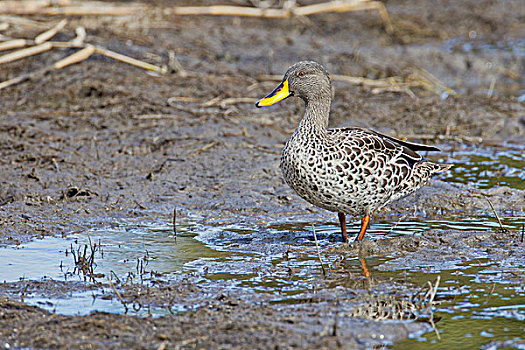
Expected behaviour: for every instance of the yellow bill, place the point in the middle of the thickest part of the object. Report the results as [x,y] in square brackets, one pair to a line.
[280,93]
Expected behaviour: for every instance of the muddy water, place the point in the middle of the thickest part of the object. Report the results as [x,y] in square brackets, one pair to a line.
[480,300]
[487,167]
[477,301]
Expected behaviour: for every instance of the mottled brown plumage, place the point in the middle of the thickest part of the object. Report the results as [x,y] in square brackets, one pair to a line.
[349,170]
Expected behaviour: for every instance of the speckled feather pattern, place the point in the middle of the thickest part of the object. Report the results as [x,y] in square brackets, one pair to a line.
[350,170]
[353,171]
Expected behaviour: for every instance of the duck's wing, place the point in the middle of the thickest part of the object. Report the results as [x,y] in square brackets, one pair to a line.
[411,145]
[378,142]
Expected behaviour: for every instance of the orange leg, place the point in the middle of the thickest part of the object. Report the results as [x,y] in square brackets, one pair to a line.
[364,225]
[342,222]
[364,268]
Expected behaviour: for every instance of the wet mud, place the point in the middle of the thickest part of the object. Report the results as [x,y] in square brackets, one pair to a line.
[102,153]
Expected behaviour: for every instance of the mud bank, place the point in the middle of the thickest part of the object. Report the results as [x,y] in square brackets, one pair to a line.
[105,146]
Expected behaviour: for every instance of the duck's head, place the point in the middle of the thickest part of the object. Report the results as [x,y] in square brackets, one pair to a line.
[307,80]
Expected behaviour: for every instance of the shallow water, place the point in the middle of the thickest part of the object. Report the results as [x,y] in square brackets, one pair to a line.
[482,307]
[478,301]
[484,166]
[255,260]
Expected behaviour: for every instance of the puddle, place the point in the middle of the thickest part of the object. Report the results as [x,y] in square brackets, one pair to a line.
[120,254]
[480,301]
[257,260]
[486,167]
[475,311]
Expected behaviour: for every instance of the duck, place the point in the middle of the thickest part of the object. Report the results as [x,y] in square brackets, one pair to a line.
[352,170]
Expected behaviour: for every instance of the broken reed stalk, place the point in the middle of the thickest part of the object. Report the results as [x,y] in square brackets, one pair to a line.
[78,56]
[23,53]
[17,6]
[118,294]
[490,293]
[81,36]
[129,60]
[48,34]
[41,44]
[425,76]
[495,213]
[64,7]
[175,65]
[174,223]
[330,6]
[86,51]
[91,8]
[13,44]
[318,252]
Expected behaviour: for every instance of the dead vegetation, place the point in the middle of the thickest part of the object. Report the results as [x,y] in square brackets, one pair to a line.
[188,137]
[27,48]
[24,48]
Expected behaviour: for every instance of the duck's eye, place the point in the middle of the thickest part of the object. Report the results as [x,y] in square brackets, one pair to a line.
[301,74]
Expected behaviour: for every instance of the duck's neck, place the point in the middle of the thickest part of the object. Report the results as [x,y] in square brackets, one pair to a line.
[316,115]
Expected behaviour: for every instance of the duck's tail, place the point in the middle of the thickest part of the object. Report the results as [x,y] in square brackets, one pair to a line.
[421,173]
[441,167]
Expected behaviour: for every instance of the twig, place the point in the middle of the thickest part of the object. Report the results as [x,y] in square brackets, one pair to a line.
[30,51]
[173,99]
[50,8]
[496,214]
[226,10]
[129,60]
[13,44]
[397,223]
[318,252]
[78,56]
[118,294]
[208,146]
[346,6]
[490,293]
[48,34]
[175,223]
[28,76]
[81,36]
[156,116]
[86,52]
[22,21]
[21,6]
[434,290]
[330,6]
[491,87]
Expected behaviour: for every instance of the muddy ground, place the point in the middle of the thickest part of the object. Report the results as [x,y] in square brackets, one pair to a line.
[101,143]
